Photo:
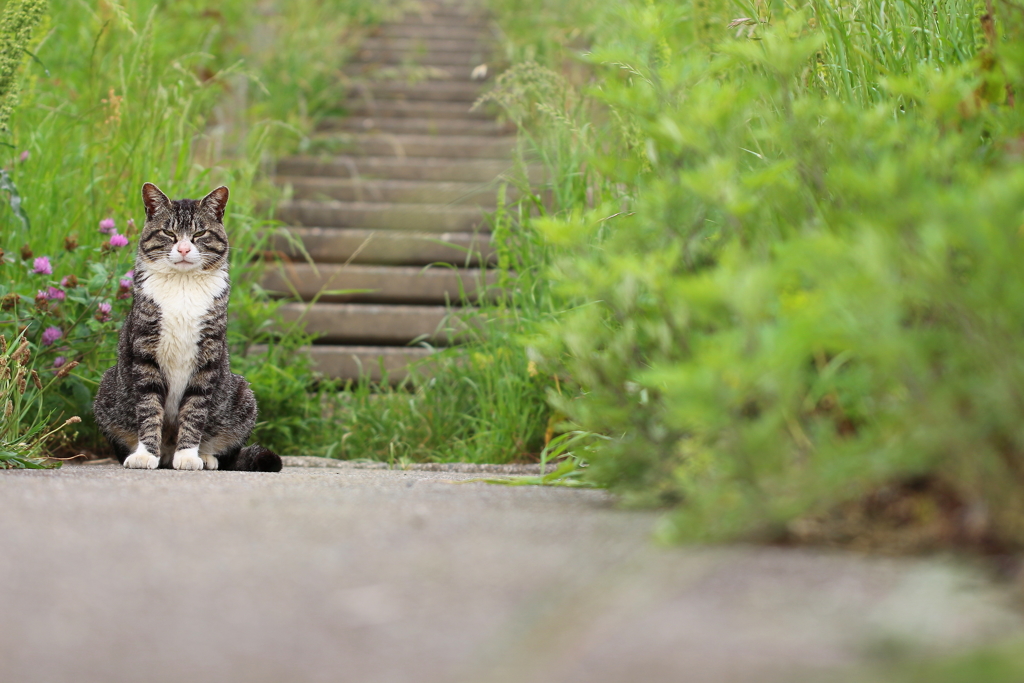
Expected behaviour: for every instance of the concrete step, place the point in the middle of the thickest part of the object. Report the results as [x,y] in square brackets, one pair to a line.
[384,247]
[424,44]
[410,126]
[372,362]
[402,146]
[411,189]
[404,191]
[354,362]
[379,284]
[417,109]
[413,72]
[376,323]
[446,18]
[406,29]
[431,11]
[382,215]
[439,59]
[445,7]
[413,168]
[445,14]
[438,91]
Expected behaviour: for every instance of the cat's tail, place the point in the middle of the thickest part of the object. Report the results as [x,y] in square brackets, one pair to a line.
[256,458]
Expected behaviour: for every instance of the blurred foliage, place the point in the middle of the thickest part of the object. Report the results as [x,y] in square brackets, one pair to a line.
[787,267]
[1003,663]
[17,28]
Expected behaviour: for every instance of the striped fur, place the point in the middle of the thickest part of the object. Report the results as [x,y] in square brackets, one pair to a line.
[171,399]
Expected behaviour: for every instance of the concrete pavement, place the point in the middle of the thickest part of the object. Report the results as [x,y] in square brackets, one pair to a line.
[369,576]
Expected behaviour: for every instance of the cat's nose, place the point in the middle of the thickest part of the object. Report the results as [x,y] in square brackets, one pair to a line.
[184,248]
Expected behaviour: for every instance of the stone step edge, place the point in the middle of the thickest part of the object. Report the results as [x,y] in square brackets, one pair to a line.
[371,159]
[480,195]
[359,123]
[372,165]
[399,356]
[383,233]
[440,285]
[456,467]
[381,247]
[341,205]
[403,146]
[420,45]
[437,91]
[380,324]
[401,183]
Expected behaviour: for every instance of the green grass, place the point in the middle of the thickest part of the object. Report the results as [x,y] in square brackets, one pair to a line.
[181,94]
[25,430]
[1003,663]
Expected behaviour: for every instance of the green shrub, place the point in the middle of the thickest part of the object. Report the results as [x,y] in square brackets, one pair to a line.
[794,277]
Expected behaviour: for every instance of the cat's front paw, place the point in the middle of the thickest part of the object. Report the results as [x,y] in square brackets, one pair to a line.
[187,459]
[142,459]
[209,462]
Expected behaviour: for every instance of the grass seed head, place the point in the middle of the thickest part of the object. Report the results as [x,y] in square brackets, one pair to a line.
[36,381]
[66,369]
[22,354]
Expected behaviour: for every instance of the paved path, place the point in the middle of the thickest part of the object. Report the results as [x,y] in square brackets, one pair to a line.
[366,575]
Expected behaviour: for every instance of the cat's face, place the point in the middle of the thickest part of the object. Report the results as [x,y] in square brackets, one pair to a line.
[184,235]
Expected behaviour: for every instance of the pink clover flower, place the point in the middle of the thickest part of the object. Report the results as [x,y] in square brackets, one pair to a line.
[51,334]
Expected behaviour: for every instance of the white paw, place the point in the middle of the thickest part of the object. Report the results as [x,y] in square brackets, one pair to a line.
[142,459]
[187,459]
[209,461]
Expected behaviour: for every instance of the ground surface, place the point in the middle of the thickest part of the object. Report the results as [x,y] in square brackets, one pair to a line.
[366,575]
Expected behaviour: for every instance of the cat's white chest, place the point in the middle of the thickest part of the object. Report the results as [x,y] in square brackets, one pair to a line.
[184,299]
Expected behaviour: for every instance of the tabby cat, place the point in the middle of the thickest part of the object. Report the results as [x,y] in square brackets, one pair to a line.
[171,399]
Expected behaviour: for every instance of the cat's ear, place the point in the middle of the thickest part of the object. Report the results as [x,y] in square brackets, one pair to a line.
[154,199]
[215,202]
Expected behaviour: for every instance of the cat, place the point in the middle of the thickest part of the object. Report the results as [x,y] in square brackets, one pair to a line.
[171,399]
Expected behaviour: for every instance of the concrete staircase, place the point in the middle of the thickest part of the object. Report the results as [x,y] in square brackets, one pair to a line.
[394,217]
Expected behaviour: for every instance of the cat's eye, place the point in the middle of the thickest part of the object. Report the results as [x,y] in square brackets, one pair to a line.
[169,234]
[200,234]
